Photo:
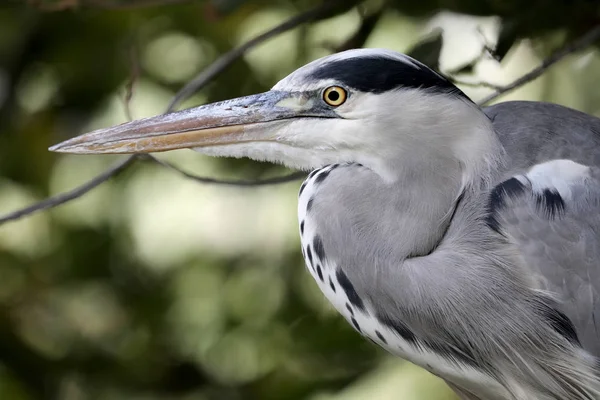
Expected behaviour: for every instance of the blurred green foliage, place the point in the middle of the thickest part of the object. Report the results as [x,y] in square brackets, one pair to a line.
[156,287]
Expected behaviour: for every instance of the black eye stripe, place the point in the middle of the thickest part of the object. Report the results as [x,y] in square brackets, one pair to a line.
[379,74]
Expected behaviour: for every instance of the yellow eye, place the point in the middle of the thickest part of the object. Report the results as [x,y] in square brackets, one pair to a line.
[335,96]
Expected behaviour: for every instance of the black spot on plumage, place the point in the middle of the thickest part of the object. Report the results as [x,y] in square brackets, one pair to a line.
[511,187]
[559,322]
[380,336]
[563,325]
[302,227]
[309,204]
[312,173]
[497,200]
[318,246]
[451,352]
[320,272]
[356,325]
[348,288]
[378,74]
[321,177]
[309,256]
[452,349]
[332,285]
[492,222]
[349,308]
[551,203]
[399,327]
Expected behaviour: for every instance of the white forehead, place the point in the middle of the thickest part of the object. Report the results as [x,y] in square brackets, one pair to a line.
[300,78]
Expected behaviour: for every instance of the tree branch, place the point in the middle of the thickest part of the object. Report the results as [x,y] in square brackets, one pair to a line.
[475,84]
[586,40]
[322,11]
[119,167]
[79,191]
[234,182]
[221,64]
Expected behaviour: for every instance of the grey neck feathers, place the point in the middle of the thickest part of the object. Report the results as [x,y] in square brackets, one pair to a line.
[431,176]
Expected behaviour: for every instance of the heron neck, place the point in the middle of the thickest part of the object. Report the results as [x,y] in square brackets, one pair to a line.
[402,195]
[405,218]
[428,182]
[460,146]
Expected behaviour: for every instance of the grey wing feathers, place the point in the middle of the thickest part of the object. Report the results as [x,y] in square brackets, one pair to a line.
[534,132]
[552,212]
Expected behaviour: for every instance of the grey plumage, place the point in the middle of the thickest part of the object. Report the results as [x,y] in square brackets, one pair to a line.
[483,300]
[564,250]
[472,299]
[464,241]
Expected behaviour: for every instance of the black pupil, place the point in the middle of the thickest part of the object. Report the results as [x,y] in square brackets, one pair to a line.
[333,95]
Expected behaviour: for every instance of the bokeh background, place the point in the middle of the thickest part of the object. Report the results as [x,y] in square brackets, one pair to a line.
[153,286]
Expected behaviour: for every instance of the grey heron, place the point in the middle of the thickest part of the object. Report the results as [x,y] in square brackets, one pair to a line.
[462,239]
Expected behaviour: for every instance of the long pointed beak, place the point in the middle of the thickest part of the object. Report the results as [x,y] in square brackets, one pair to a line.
[227,122]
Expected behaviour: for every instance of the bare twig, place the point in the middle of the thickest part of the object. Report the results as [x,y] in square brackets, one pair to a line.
[224,61]
[586,40]
[476,84]
[79,191]
[235,182]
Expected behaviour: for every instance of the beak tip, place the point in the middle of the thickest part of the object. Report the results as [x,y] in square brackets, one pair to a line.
[66,147]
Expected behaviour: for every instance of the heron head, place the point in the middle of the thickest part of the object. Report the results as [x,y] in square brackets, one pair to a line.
[368,106]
